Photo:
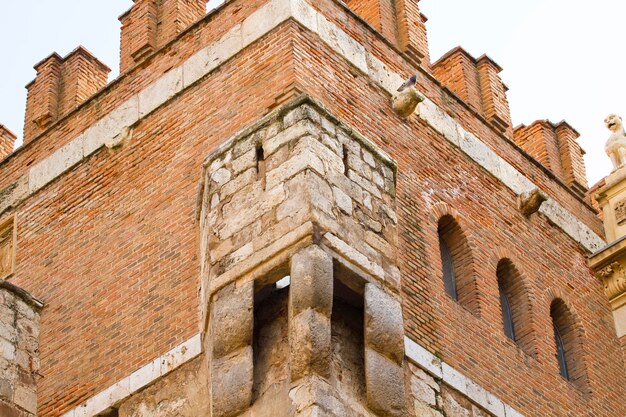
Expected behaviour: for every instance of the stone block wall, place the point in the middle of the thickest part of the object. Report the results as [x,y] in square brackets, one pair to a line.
[315,181]
[19,351]
[299,189]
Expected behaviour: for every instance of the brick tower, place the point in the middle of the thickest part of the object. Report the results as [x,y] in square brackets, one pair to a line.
[240,225]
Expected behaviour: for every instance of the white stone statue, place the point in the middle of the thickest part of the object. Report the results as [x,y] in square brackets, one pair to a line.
[616,145]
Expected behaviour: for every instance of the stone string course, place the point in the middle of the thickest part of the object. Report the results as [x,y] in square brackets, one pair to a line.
[108,131]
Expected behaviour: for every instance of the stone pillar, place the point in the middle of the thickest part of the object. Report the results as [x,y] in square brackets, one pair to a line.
[19,351]
[384,352]
[310,308]
[231,359]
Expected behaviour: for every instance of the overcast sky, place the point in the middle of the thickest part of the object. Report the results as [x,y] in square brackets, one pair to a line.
[562,59]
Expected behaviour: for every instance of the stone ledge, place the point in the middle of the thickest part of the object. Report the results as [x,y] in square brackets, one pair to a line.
[139,379]
[22,294]
[455,379]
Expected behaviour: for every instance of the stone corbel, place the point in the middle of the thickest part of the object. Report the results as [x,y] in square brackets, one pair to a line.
[614,279]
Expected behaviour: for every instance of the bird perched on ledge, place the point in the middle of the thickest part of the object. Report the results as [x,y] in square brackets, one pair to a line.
[407,98]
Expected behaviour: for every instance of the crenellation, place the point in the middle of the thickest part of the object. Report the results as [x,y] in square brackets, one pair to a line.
[555,146]
[476,81]
[150,24]
[61,85]
[7,141]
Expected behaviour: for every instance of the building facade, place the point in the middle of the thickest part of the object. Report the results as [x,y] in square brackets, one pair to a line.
[240,225]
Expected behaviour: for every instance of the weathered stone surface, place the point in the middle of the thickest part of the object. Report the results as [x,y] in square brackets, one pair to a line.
[423,392]
[263,20]
[231,383]
[439,121]
[232,319]
[19,352]
[343,200]
[310,344]
[384,327]
[110,126]
[423,410]
[454,405]
[385,386]
[50,168]
[302,128]
[299,113]
[160,91]
[311,281]
[26,397]
[182,393]
[454,378]
[341,42]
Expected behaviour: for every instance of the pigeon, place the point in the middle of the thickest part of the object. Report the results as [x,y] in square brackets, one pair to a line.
[407,98]
[408,83]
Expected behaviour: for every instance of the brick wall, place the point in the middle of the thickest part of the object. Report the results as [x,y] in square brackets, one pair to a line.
[60,86]
[150,24]
[476,81]
[7,141]
[112,245]
[555,146]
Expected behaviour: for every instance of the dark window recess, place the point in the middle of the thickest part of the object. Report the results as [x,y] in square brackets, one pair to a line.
[110,413]
[449,279]
[507,317]
[560,353]
[260,165]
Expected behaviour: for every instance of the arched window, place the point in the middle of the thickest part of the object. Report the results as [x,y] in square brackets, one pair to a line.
[456,264]
[568,344]
[515,306]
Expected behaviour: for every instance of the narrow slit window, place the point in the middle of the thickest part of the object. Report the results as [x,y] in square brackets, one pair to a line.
[456,264]
[449,279]
[507,317]
[345,160]
[260,165]
[560,353]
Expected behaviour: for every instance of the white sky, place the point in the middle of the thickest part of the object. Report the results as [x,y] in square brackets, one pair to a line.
[562,59]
